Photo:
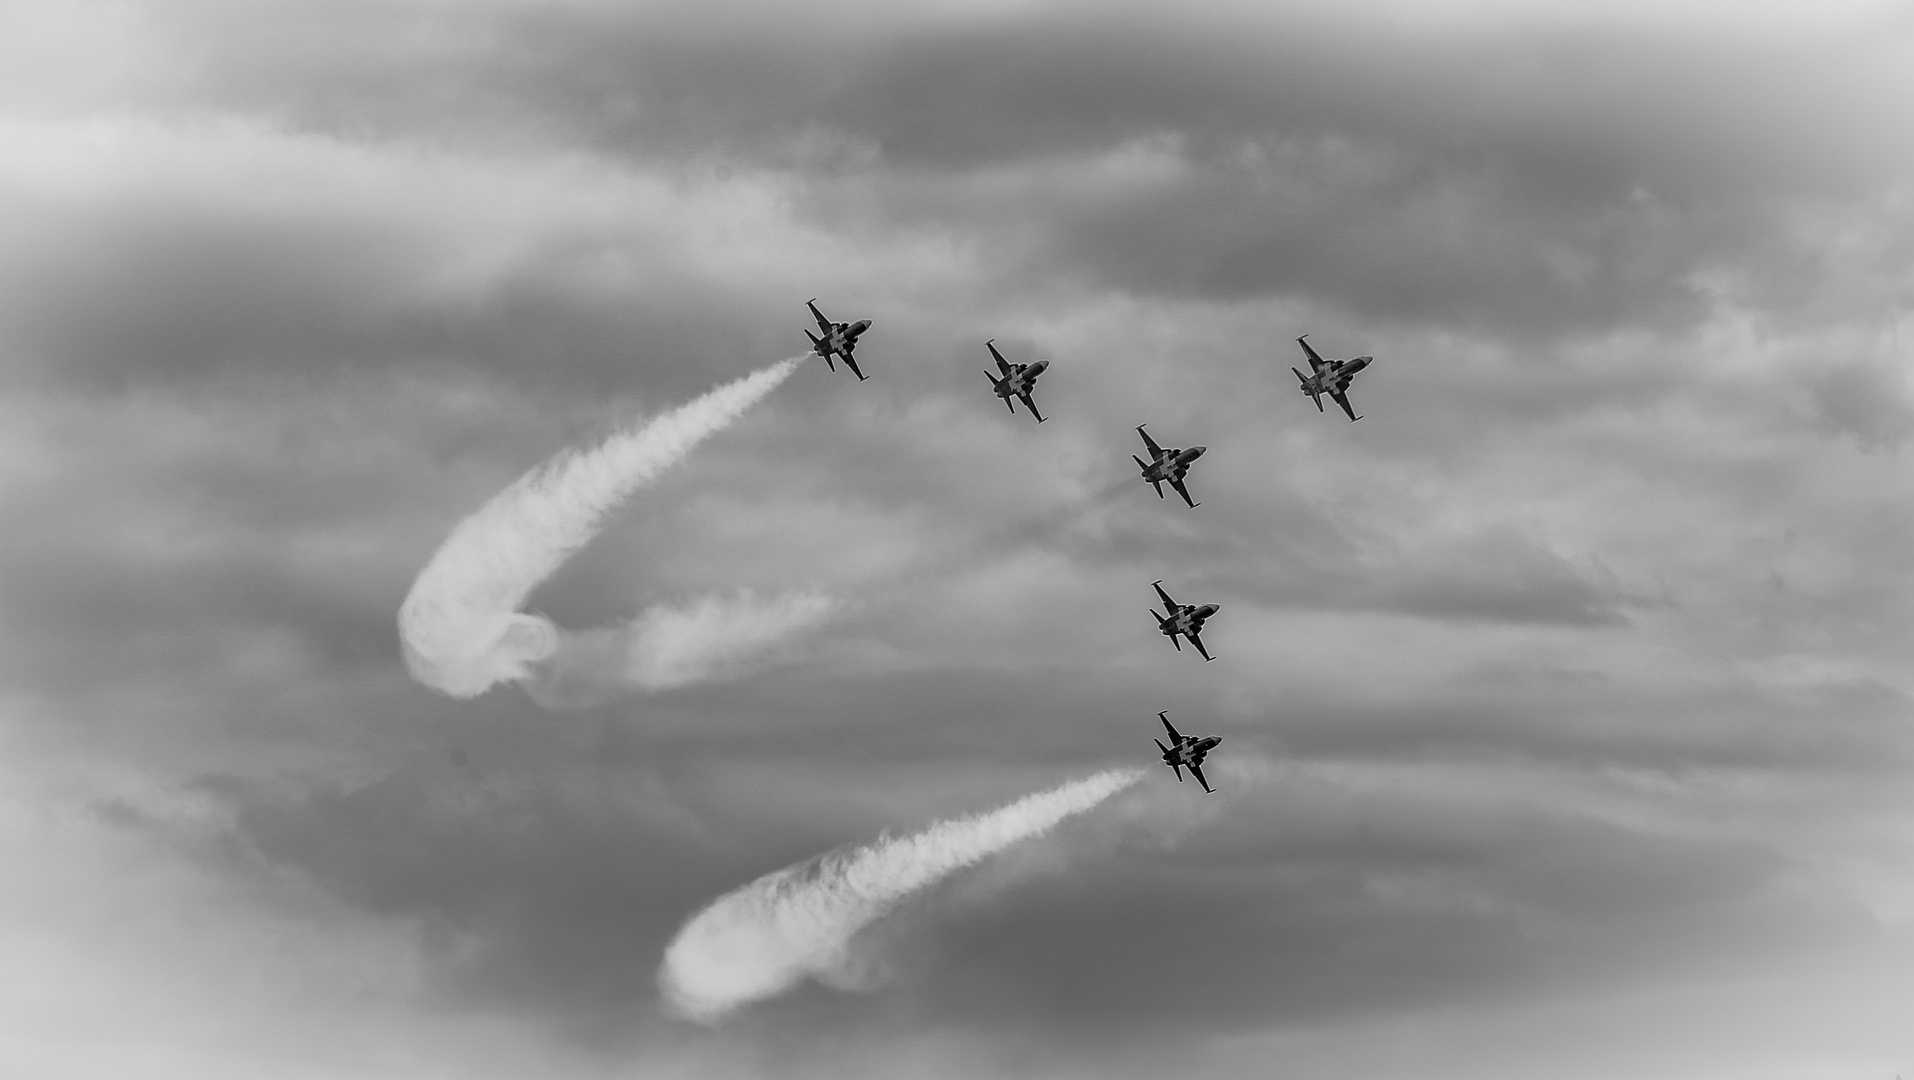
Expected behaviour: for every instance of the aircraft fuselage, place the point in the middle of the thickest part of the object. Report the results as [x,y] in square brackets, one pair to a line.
[841,338]
[1187,619]
[1020,379]
[1190,751]
[1332,375]
[1172,464]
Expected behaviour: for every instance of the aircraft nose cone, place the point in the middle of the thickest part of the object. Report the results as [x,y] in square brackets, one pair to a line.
[1198,451]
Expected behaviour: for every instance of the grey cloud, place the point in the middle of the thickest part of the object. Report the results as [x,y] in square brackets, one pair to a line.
[1357,907]
[1566,179]
[552,900]
[1867,402]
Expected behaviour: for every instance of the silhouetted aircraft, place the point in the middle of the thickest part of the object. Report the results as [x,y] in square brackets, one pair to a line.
[1183,619]
[1330,377]
[839,339]
[1186,752]
[1169,466]
[1018,380]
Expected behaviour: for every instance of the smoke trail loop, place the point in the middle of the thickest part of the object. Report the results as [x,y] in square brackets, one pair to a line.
[460,625]
[760,940]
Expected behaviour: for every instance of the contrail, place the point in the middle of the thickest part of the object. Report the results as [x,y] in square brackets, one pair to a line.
[672,645]
[762,939]
[461,626]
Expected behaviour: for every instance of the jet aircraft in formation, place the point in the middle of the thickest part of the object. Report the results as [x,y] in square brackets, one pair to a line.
[1018,380]
[1186,752]
[839,339]
[1168,465]
[1184,620]
[1330,377]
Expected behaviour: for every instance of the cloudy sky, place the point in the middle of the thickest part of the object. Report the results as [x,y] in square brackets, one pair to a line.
[1565,704]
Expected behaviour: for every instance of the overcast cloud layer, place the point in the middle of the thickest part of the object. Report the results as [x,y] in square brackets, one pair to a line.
[1565,699]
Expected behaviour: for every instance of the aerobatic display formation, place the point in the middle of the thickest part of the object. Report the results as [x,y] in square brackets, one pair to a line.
[463,631]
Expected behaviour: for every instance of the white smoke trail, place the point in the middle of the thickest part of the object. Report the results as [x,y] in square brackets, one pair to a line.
[760,940]
[460,624]
[712,637]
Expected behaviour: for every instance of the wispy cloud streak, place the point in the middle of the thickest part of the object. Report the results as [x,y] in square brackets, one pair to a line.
[762,939]
[461,626]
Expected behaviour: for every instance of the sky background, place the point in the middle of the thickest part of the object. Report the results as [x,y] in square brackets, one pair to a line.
[1564,699]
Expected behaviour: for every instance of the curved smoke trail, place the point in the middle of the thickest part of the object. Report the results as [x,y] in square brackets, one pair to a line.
[460,624]
[760,940]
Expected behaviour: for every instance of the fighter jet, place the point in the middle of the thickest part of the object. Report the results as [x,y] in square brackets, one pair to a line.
[1330,377]
[1182,619]
[1018,380]
[1186,752]
[839,339]
[1169,466]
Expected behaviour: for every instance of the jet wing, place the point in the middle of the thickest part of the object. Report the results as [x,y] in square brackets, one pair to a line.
[1341,399]
[1031,405]
[823,323]
[1198,642]
[1002,364]
[1169,727]
[1315,362]
[1183,491]
[1168,603]
[1197,771]
[1155,450]
[852,364]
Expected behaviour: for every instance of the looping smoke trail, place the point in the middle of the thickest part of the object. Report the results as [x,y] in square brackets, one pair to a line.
[760,940]
[460,624]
